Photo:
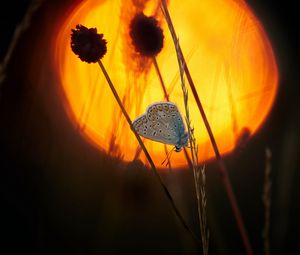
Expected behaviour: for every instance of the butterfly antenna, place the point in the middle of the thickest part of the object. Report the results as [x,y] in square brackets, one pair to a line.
[168,158]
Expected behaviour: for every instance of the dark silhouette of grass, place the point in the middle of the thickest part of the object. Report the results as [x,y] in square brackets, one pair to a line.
[222,168]
[167,98]
[266,198]
[19,30]
[152,165]
[199,173]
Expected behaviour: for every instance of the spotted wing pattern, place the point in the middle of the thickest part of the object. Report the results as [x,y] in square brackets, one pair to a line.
[162,122]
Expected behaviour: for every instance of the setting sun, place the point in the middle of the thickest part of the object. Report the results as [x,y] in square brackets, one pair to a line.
[227,51]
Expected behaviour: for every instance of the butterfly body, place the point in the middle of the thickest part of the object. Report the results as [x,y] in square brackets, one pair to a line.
[163,123]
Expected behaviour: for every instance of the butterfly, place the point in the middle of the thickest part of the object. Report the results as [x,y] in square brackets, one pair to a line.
[163,123]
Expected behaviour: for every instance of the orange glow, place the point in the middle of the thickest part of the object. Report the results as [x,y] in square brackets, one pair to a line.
[228,54]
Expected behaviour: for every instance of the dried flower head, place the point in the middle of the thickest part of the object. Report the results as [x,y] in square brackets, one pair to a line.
[88,44]
[147,37]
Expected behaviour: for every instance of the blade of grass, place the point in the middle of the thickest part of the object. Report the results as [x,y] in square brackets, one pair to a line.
[222,168]
[153,167]
[166,95]
[266,198]
[199,182]
[19,30]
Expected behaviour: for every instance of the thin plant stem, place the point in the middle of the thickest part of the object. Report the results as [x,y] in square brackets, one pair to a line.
[266,198]
[222,168]
[199,182]
[153,168]
[19,30]
[167,98]
[166,95]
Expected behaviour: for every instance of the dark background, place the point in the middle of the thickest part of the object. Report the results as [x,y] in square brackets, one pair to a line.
[61,196]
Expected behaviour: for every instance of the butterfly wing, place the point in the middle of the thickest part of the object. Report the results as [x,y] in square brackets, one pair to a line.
[160,123]
[167,114]
[154,130]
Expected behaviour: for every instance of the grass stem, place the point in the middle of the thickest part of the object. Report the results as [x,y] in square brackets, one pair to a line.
[266,198]
[167,98]
[18,32]
[166,95]
[154,170]
[199,179]
[222,168]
